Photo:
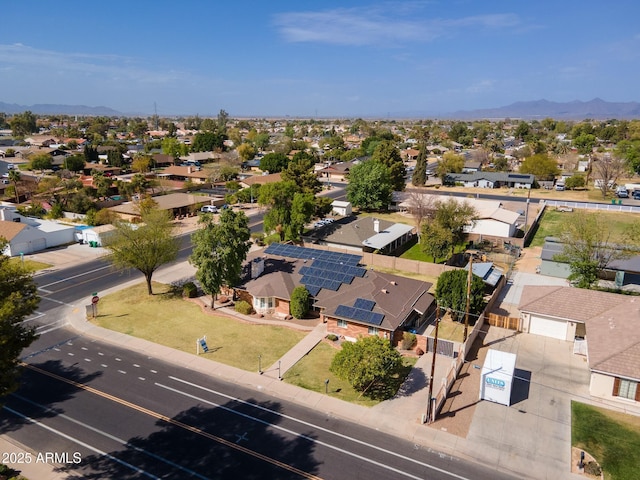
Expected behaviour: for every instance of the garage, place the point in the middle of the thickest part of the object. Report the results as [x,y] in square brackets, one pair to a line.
[548,327]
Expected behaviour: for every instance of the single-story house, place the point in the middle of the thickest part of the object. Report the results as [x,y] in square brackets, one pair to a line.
[338,171]
[260,179]
[491,179]
[202,157]
[176,203]
[364,234]
[163,160]
[624,271]
[609,323]
[341,208]
[493,220]
[178,172]
[29,235]
[352,300]
[471,166]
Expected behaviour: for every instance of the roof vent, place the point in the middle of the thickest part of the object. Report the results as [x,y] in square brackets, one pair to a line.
[393,282]
[384,290]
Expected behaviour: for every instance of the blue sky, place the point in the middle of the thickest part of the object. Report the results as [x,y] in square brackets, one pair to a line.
[330,58]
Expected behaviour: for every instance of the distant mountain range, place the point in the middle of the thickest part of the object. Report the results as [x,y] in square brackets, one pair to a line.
[537,109]
[53,109]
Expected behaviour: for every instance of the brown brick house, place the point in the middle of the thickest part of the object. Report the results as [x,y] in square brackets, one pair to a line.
[352,300]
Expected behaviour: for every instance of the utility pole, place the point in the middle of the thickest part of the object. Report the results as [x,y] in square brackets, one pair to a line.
[431,404]
[466,316]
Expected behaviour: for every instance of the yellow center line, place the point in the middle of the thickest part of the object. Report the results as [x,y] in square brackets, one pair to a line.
[177,423]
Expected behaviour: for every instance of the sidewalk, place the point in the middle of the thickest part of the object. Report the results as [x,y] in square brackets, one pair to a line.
[400,416]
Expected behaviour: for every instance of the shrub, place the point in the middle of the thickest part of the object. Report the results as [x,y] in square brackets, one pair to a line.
[299,302]
[419,352]
[408,340]
[189,290]
[592,468]
[332,337]
[244,307]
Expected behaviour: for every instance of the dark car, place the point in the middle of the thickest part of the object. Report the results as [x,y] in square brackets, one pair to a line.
[636,194]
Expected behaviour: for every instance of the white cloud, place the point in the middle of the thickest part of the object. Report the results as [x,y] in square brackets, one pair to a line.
[114,67]
[382,25]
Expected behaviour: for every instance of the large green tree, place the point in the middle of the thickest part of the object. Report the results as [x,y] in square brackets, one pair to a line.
[23,124]
[436,240]
[451,293]
[370,186]
[274,162]
[453,216]
[289,208]
[299,302]
[74,163]
[451,162]
[300,170]
[387,154]
[146,246]
[219,250]
[541,165]
[18,299]
[15,178]
[366,363]
[419,176]
[41,161]
[208,142]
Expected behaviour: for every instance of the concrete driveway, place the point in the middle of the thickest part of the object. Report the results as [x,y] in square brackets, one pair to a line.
[534,433]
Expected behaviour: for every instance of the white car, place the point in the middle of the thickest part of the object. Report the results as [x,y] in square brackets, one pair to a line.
[209,209]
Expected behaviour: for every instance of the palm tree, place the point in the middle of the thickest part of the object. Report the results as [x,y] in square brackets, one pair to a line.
[14,177]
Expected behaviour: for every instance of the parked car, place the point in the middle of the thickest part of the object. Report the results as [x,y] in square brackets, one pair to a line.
[622,192]
[636,194]
[209,209]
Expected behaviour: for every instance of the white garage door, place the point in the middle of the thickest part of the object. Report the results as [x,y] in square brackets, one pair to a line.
[548,328]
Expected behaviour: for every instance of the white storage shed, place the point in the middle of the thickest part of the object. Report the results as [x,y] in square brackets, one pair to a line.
[497,377]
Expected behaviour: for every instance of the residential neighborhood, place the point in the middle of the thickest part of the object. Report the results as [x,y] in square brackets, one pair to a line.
[444,251]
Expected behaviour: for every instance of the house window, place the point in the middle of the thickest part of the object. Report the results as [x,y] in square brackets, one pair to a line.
[342,323]
[373,331]
[628,389]
[261,303]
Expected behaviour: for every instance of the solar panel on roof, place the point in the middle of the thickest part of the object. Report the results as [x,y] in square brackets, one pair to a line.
[364,304]
[359,315]
[313,290]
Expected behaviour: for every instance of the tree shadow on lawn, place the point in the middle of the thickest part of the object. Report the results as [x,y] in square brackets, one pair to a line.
[403,382]
[230,441]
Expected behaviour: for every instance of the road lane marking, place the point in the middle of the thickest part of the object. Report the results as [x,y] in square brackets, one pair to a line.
[71,278]
[87,359]
[81,443]
[101,354]
[141,378]
[112,437]
[136,365]
[103,365]
[302,422]
[84,348]
[153,371]
[177,423]
[122,372]
[57,301]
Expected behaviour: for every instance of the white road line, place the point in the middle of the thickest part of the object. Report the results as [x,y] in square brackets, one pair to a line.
[57,349]
[36,316]
[43,327]
[87,359]
[112,437]
[103,365]
[312,440]
[141,378]
[101,354]
[122,372]
[44,290]
[82,444]
[118,359]
[75,276]
[51,329]
[153,371]
[136,365]
[57,301]
[70,354]
[84,348]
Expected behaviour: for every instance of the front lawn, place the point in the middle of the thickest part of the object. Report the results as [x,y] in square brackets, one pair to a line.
[30,265]
[612,438]
[416,253]
[312,371]
[168,319]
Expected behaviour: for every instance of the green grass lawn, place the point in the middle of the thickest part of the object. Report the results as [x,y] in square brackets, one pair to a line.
[552,221]
[612,438]
[312,371]
[168,319]
[30,265]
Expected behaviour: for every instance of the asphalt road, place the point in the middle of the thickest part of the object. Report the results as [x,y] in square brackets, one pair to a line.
[106,412]
[125,415]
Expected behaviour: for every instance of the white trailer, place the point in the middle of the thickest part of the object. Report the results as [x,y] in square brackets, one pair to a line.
[497,377]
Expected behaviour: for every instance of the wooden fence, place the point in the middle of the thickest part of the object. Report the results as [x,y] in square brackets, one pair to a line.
[512,323]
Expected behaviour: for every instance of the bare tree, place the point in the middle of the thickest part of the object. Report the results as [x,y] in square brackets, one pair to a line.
[607,170]
[421,207]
